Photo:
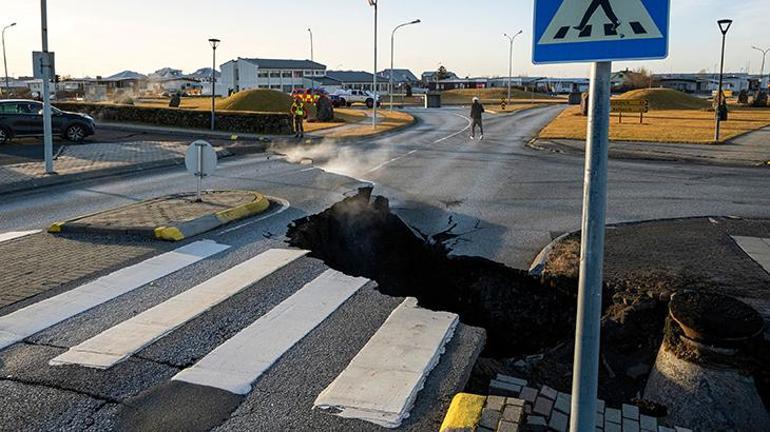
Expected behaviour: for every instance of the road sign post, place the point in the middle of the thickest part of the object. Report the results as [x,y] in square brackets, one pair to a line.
[599,31]
[200,161]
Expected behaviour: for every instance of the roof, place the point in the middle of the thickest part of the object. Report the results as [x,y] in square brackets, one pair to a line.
[284,64]
[401,75]
[205,73]
[325,80]
[351,76]
[126,75]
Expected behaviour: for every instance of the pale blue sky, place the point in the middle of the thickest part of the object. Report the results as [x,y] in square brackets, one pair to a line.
[101,37]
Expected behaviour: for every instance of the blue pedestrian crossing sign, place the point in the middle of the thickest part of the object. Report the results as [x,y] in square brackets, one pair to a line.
[600,30]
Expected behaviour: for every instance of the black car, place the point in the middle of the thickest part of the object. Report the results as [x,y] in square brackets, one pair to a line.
[21,118]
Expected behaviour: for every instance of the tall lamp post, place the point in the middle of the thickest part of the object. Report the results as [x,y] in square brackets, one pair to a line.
[510,60]
[392,43]
[312,56]
[5,62]
[724,26]
[762,81]
[373,3]
[214,44]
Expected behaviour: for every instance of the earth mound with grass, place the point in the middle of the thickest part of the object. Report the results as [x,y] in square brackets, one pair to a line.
[257,100]
[667,99]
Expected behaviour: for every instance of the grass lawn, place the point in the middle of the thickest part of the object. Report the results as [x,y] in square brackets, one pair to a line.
[386,121]
[675,126]
[492,96]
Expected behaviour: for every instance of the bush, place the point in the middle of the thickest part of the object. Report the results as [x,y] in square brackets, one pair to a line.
[124,100]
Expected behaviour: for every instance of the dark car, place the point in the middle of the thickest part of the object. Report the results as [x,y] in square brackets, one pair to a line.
[22,118]
[337,101]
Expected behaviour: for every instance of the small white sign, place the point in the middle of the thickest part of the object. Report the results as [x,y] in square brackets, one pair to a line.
[39,61]
[200,159]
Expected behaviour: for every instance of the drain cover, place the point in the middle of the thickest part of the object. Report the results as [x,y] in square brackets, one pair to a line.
[714,318]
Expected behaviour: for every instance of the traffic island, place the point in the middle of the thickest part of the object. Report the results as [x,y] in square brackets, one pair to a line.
[172,217]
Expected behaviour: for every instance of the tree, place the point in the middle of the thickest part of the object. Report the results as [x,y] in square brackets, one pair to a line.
[441,74]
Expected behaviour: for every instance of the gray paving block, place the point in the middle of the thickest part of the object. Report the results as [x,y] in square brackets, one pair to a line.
[506,426]
[495,403]
[483,429]
[600,405]
[612,415]
[648,423]
[515,401]
[630,425]
[490,418]
[503,388]
[548,392]
[563,403]
[559,422]
[511,380]
[543,406]
[528,394]
[536,420]
[513,413]
[631,411]
[681,429]
[665,429]
[612,427]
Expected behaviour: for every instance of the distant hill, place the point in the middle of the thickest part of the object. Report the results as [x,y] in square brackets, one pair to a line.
[667,99]
[204,73]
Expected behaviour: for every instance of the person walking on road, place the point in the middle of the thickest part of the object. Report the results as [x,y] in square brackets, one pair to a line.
[297,111]
[606,6]
[477,109]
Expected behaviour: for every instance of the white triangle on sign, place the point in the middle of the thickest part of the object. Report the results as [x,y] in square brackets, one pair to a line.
[603,20]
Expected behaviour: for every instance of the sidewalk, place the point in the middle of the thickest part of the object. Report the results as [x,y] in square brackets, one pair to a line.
[752,149]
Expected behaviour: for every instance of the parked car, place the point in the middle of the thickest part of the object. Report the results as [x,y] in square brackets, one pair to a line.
[337,101]
[358,96]
[22,118]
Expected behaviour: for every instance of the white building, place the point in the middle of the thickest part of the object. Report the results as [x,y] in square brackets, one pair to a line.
[275,74]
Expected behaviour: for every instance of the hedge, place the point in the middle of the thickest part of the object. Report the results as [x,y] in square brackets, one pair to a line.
[242,122]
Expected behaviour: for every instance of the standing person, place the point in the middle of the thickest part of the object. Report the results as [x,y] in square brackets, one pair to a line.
[595,4]
[477,109]
[297,111]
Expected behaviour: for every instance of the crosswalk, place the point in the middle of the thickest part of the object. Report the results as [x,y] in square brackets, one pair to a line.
[11,235]
[378,386]
[607,30]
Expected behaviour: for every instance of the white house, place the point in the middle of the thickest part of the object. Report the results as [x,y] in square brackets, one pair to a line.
[275,74]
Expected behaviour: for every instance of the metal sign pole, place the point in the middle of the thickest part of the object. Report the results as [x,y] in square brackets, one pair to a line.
[587,332]
[47,129]
[200,172]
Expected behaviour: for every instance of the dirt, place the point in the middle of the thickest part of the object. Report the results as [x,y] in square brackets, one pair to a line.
[715,317]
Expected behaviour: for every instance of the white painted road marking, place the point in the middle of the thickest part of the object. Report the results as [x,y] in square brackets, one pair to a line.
[27,321]
[458,132]
[381,383]
[237,363]
[16,234]
[118,343]
[757,248]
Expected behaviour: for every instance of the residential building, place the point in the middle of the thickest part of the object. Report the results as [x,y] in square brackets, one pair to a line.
[358,80]
[430,76]
[400,76]
[275,74]
[703,83]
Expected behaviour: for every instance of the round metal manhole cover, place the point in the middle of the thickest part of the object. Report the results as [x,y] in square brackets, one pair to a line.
[714,318]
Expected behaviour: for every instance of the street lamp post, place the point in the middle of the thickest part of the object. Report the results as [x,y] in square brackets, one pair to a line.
[214,44]
[374,4]
[724,26]
[47,127]
[510,61]
[312,55]
[5,62]
[392,43]
[762,81]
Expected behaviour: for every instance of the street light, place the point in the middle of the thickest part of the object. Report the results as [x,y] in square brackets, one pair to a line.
[392,40]
[5,63]
[724,26]
[312,58]
[762,82]
[510,61]
[214,44]
[373,3]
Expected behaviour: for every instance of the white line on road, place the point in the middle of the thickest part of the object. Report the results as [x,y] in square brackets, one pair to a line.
[118,343]
[237,363]
[456,133]
[382,165]
[27,321]
[381,383]
[16,234]
[284,206]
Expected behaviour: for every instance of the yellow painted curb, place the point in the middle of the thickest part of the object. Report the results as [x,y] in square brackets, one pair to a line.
[464,413]
[258,206]
[169,234]
[55,227]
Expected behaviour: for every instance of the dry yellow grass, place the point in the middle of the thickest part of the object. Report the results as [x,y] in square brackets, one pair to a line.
[491,96]
[387,121]
[666,99]
[674,126]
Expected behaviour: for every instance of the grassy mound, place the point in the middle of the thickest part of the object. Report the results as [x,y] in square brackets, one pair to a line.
[257,100]
[666,99]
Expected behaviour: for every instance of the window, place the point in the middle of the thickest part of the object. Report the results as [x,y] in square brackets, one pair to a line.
[319,73]
[263,74]
[286,74]
[275,86]
[275,74]
[287,89]
[297,74]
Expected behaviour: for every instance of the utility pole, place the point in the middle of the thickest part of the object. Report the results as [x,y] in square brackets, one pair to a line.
[762,80]
[510,61]
[374,89]
[214,44]
[392,43]
[47,130]
[724,26]
[5,62]
[312,55]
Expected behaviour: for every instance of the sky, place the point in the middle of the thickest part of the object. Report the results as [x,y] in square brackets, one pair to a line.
[103,37]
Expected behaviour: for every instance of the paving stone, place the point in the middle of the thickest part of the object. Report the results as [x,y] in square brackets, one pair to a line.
[483,429]
[528,394]
[600,419]
[490,418]
[502,388]
[612,427]
[548,392]
[511,380]
[515,401]
[513,413]
[612,415]
[600,405]
[630,412]
[563,402]
[559,422]
[648,423]
[630,425]
[506,426]
[543,406]
[528,408]
[665,429]
[536,420]
[681,429]
[495,403]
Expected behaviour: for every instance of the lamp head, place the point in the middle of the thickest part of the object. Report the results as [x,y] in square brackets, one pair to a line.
[214,43]
[12,24]
[724,25]
[372,2]
[417,21]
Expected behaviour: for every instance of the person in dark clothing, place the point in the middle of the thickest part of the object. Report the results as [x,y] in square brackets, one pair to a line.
[606,6]
[477,109]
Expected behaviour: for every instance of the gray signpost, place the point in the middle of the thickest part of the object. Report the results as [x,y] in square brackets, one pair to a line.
[200,161]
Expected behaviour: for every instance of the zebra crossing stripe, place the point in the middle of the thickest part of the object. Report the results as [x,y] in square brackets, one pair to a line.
[16,234]
[27,321]
[237,363]
[381,383]
[118,343]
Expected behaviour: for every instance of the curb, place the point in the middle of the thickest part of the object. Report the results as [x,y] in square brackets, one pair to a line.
[393,131]
[538,264]
[177,232]
[464,413]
